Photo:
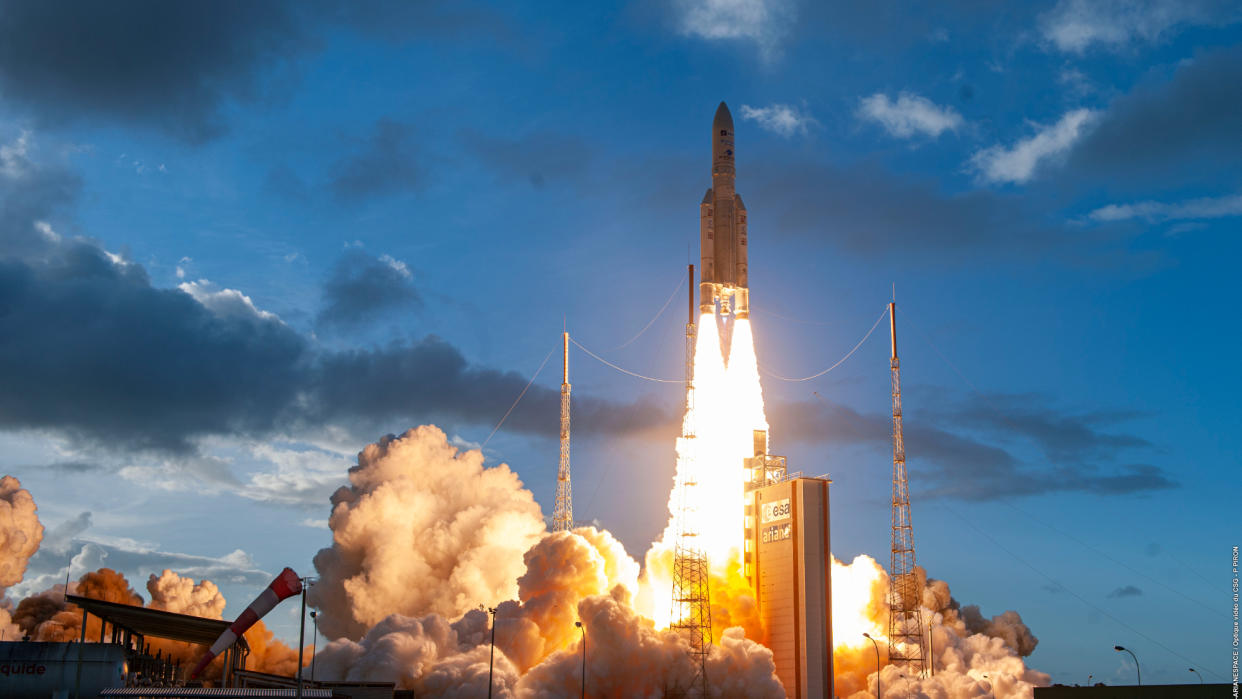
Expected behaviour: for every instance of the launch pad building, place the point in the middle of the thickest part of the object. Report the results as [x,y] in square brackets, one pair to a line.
[789,568]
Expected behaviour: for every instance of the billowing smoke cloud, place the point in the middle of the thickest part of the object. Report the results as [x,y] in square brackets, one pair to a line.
[421,529]
[20,531]
[173,593]
[474,519]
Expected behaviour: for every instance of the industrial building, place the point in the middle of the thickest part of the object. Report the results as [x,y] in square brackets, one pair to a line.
[789,568]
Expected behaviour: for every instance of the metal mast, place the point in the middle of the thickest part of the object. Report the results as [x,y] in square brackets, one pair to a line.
[691,611]
[905,621]
[563,514]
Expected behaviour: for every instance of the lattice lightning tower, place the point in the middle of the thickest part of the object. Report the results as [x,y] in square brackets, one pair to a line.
[563,514]
[691,612]
[905,621]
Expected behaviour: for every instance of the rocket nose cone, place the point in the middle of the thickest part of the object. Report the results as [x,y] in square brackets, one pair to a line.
[723,120]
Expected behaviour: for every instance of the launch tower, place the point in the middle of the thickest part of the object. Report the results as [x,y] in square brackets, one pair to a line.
[905,620]
[692,608]
[563,513]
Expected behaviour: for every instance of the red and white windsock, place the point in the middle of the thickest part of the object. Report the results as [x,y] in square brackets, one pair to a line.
[286,585]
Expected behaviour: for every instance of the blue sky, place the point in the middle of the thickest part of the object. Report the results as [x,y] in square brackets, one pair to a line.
[243,240]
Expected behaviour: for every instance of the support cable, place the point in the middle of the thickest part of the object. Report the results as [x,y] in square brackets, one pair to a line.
[654,318]
[1028,515]
[620,369]
[519,398]
[839,362]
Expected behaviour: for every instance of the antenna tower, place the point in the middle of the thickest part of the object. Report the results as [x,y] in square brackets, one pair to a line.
[563,514]
[905,620]
[692,614]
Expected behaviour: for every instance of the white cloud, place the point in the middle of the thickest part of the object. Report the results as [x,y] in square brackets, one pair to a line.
[301,476]
[226,303]
[910,115]
[1154,211]
[13,161]
[397,265]
[780,119]
[1018,163]
[764,22]
[1075,25]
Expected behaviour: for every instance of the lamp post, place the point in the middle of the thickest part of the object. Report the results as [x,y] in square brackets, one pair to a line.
[492,660]
[583,630]
[877,663]
[1089,680]
[302,634]
[1136,663]
[1197,673]
[314,642]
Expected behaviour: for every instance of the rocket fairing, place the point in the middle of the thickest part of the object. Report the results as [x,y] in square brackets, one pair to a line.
[722,229]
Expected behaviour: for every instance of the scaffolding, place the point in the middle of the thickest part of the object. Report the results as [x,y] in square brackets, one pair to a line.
[905,621]
[691,610]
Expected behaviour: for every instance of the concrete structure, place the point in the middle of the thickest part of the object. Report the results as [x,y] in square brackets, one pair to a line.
[722,229]
[1147,691]
[789,568]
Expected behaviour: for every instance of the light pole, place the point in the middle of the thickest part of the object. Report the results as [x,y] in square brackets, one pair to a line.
[302,634]
[492,660]
[1089,680]
[583,630]
[877,663]
[1197,673]
[1136,664]
[314,642]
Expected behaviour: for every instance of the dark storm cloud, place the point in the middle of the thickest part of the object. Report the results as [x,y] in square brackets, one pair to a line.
[949,462]
[431,379]
[869,212]
[94,352]
[536,157]
[170,65]
[381,164]
[1060,436]
[1127,591]
[1184,127]
[361,288]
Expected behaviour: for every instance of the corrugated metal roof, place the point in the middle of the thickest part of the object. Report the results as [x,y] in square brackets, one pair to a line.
[156,622]
[233,693]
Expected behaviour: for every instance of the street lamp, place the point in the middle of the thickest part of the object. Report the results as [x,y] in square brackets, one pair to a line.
[314,642]
[1197,673]
[583,630]
[1136,663]
[492,660]
[306,582]
[877,663]
[1089,680]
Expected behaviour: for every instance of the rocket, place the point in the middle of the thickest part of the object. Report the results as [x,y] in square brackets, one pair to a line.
[722,229]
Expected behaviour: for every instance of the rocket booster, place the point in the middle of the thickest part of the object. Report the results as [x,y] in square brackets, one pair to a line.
[722,229]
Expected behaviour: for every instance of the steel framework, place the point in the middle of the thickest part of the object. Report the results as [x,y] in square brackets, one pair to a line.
[905,621]
[563,513]
[691,610]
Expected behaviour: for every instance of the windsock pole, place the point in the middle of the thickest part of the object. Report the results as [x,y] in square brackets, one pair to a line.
[286,585]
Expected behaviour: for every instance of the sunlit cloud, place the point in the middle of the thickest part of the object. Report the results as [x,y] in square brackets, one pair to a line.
[910,115]
[1019,162]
